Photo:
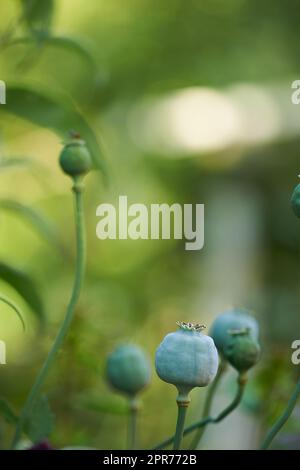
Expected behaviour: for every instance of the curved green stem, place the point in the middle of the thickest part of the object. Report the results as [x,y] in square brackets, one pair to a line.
[282,419]
[211,420]
[242,381]
[79,274]
[208,403]
[132,423]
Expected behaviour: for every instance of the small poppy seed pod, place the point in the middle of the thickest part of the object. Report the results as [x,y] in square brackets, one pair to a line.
[75,158]
[187,358]
[232,320]
[242,351]
[295,201]
[128,369]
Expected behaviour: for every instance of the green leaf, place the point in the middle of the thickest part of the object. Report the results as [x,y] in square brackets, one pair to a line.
[70,44]
[7,412]
[41,224]
[40,424]
[25,287]
[52,113]
[73,45]
[7,163]
[14,307]
[38,14]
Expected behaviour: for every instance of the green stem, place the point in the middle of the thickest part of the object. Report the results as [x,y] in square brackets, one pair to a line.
[242,381]
[208,403]
[210,420]
[132,423]
[182,409]
[79,274]
[282,419]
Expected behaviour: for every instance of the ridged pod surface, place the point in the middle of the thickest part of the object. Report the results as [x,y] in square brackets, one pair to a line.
[187,359]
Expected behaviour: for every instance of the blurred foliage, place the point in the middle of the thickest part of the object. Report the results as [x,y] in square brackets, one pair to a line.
[72,64]
[41,422]
[38,14]
[26,287]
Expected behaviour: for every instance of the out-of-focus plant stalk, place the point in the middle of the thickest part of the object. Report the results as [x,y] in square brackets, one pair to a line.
[242,381]
[134,406]
[208,403]
[79,274]
[282,419]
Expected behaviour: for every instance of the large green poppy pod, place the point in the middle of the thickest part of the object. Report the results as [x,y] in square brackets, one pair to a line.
[232,320]
[187,358]
[295,201]
[242,350]
[128,369]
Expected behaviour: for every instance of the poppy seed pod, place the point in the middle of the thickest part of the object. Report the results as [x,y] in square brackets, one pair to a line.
[75,158]
[128,369]
[295,201]
[187,358]
[232,320]
[242,350]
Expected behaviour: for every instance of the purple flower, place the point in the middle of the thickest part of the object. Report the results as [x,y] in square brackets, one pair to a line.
[42,445]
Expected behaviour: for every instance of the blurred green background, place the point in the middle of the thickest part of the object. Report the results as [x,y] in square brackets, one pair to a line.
[191,103]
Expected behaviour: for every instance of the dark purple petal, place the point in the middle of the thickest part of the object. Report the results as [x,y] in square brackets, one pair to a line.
[43,445]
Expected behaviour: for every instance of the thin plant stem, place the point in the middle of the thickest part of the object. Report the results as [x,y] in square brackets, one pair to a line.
[79,274]
[132,423]
[282,419]
[242,380]
[208,403]
[182,409]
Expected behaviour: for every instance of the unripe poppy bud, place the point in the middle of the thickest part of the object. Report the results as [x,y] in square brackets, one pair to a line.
[232,320]
[242,351]
[295,201]
[187,358]
[128,369]
[75,158]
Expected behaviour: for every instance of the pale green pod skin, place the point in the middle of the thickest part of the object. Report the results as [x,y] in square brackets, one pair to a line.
[75,159]
[295,201]
[242,352]
[128,369]
[232,320]
[187,359]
